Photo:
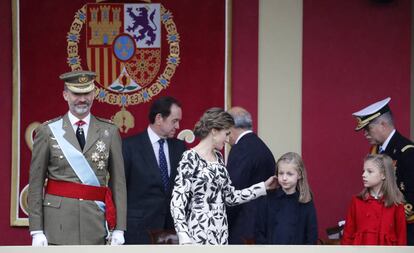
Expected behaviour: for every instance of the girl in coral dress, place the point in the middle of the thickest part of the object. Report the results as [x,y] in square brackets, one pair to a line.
[376,215]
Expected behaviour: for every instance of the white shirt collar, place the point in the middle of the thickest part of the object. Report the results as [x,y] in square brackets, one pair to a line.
[385,144]
[243,134]
[73,119]
[154,138]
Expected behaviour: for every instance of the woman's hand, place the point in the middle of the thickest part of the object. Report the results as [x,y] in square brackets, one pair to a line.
[271,183]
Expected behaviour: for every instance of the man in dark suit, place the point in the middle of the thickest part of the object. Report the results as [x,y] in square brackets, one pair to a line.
[250,161]
[377,123]
[151,160]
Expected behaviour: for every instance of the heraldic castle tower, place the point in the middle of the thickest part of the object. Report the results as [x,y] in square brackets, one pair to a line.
[104,31]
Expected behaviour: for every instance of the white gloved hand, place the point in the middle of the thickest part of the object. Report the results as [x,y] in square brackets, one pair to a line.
[39,240]
[117,237]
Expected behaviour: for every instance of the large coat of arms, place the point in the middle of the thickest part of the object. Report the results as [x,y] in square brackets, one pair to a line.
[124,48]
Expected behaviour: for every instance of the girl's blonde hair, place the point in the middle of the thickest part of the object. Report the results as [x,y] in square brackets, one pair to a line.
[389,188]
[302,186]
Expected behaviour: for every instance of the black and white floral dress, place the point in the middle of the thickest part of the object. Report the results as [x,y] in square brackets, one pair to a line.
[201,192]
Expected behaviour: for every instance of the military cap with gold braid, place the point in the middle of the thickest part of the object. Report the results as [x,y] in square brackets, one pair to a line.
[79,81]
[371,112]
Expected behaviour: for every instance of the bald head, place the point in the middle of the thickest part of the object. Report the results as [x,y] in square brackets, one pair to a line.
[242,118]
[242,123]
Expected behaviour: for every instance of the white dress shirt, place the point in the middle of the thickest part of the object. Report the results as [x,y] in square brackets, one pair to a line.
[385,144]
[73,119]
[154,138]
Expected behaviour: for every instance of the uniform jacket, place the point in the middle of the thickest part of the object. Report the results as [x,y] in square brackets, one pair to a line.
[148,203]
[401,149]
[250,161]
[282,219]
[67,220]
[369,222]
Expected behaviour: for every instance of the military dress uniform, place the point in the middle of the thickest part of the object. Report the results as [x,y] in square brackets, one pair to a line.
[75,220]
[401,150]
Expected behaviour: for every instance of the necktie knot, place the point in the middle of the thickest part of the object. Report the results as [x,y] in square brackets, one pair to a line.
[161,141]
[80,134]
[80,123]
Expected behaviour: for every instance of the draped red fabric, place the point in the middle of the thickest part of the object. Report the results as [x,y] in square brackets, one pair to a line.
[86,192]
[192,69]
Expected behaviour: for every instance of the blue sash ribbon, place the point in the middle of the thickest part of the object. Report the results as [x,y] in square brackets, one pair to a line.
[75,159]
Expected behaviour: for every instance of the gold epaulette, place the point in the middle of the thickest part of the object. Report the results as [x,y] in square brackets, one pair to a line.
[47,122]
[407,147]
[105,120]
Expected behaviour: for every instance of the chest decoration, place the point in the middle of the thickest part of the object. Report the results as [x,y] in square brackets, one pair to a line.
[100,155]
[56,146]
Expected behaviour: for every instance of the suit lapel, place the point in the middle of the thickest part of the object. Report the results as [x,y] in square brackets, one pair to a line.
[173,157]
[151,159]
[93,134]
[149,155]
[69,134]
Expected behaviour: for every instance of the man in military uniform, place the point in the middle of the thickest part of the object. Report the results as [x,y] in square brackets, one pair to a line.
[77,155]
[377,123]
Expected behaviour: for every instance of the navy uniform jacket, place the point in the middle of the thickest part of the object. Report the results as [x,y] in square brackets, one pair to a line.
[401,150]
[281,219]
[250,161]
[148,205]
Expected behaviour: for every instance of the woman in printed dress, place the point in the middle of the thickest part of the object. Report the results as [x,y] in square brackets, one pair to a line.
[203,187]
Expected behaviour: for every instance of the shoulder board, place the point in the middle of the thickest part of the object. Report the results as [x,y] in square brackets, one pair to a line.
[105,120]
[407,147]
[51,121]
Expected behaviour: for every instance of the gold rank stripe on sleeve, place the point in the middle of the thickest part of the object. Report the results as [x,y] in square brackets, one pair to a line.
[407,147]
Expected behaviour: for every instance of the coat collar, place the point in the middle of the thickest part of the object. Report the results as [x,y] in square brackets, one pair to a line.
[93,134]
[70,136]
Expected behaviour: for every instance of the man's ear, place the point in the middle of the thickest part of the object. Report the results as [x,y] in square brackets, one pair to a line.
[158,119]
[65,95]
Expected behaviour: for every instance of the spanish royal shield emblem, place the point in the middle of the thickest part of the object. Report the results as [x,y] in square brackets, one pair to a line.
[123,46]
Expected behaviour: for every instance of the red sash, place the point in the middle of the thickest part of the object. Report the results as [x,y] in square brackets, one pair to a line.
[87,192]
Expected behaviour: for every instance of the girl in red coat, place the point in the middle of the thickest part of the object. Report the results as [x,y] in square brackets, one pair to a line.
[376,215]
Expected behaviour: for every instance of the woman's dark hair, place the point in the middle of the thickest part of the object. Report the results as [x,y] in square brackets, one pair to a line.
[213,118]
